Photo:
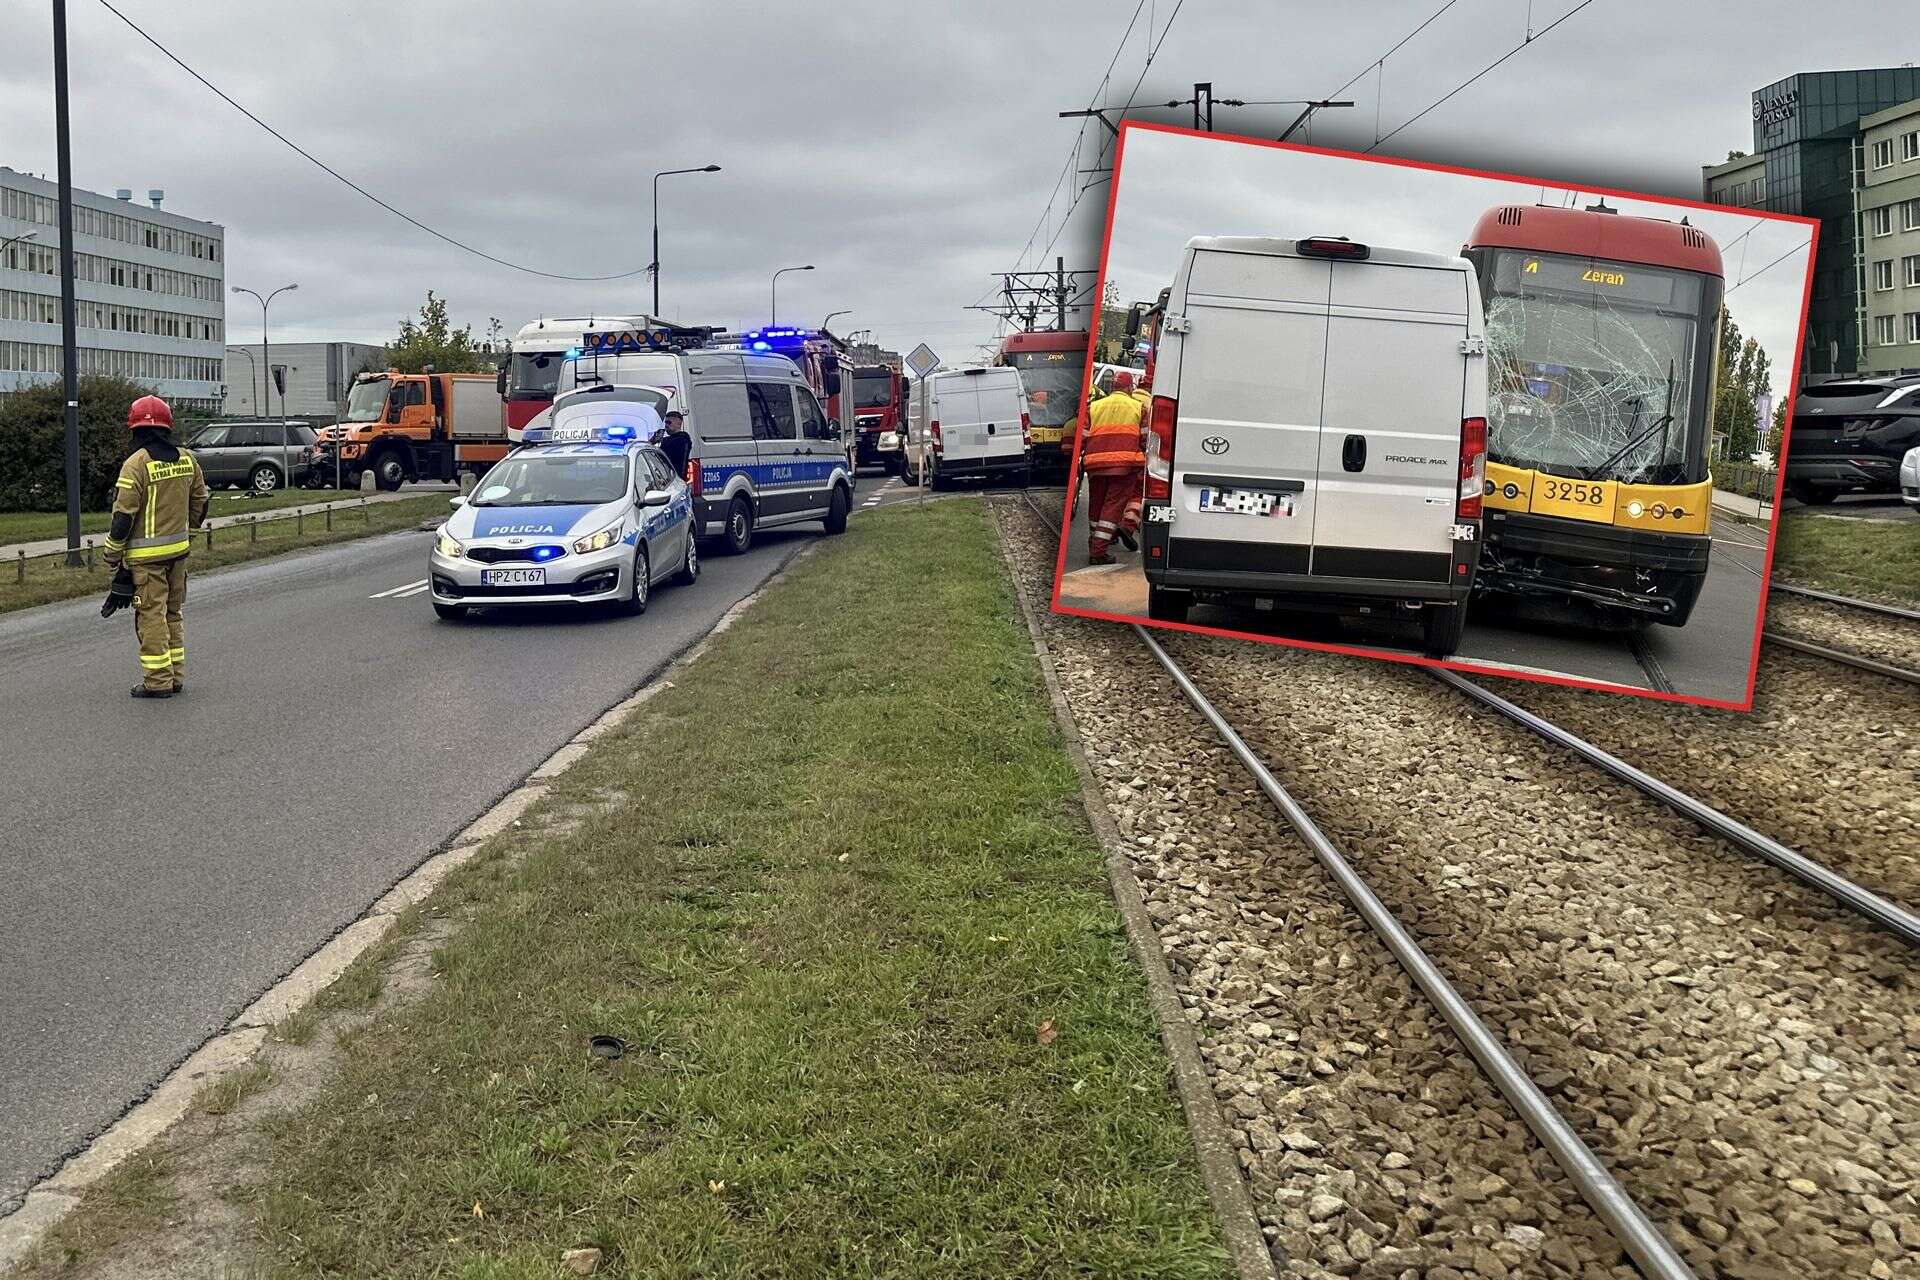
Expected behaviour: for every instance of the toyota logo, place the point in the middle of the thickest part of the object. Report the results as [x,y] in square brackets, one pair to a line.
[1215,445]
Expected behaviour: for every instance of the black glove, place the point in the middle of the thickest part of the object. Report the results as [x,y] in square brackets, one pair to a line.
[120,594]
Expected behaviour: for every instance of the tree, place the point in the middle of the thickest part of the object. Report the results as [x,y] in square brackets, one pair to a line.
[33,428]
[1777,433]
[1736,155]
[434,341]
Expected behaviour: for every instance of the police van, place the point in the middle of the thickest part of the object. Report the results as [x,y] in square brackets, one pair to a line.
[584,512]
[1317,436]
[764,453]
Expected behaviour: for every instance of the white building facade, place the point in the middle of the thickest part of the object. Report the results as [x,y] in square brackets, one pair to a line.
[150,288]
[318,376]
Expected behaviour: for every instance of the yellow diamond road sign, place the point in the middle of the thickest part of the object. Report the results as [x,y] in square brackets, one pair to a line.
[922,360]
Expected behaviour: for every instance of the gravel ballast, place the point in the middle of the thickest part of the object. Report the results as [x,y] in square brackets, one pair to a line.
[1738,1050]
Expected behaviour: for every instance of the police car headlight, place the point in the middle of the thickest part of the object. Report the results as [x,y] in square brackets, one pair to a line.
[597,541]
[448,547]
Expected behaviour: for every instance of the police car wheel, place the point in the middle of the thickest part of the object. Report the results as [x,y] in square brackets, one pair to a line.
[739,535]
[690,568]
[837,511]
[636,602]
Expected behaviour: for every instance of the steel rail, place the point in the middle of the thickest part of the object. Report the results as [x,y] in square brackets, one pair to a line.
[1842,656]
[1868,606]
[1853,896]
[1636,1233]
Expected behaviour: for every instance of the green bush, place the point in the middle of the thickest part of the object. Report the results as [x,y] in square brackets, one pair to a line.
[33,426]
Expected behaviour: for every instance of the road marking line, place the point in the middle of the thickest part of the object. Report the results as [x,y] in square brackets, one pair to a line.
[410,592]
[399,590]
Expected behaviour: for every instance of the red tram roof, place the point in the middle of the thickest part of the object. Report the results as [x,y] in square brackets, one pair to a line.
[1585,233]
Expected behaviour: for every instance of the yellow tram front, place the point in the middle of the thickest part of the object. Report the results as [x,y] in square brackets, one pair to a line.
[1602,332]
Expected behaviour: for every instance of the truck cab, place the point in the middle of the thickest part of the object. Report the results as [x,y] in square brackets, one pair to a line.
[413,426]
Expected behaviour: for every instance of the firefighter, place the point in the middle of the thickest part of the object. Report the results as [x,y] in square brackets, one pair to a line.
[160,497]
[1113,459]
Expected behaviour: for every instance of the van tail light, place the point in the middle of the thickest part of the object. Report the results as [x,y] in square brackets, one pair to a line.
[1026,430]
[1160,422]
[933,429]
[1473,466]
[693,476]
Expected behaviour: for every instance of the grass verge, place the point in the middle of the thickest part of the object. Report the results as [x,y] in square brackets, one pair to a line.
[48,578]
[1877,558]
[835,893]
[32,526]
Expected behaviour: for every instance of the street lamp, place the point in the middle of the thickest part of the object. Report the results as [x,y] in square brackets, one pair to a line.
[11,240]
[773,306]
[266,364]
[252,369]
[711,168]
[831,315]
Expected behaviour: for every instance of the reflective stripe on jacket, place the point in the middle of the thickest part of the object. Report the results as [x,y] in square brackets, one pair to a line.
[161,503]
[1113,435]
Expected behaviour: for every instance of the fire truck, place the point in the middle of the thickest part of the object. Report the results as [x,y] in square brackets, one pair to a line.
[413,426]
[530,377]
[879,409]
[822,357]
[1052,366]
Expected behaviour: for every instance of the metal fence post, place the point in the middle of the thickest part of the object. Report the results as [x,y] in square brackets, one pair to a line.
[329,517]
[299,522]
[253,529]
[89,555]
[20,570]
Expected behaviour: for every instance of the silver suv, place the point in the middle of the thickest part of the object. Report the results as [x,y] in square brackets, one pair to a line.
[262,456]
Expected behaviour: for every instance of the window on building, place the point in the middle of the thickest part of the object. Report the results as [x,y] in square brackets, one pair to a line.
[1910,270]
[1880,221]
[1883,153]
[1883,274]
[1910,145]
[1883,331]
[1910,215]
[1913,326]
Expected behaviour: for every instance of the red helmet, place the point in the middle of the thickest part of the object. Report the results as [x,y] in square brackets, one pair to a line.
[1123,381]
[150,411]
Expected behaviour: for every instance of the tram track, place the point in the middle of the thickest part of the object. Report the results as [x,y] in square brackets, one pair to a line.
[1332,775]
[1812,647]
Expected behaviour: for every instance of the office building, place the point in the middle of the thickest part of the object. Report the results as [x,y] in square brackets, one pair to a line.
[318,377]
[1890,234]
[150,288]
[1811,156]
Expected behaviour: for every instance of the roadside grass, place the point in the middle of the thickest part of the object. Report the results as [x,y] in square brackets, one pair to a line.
[1876,558]
[232,1089]
[133,1198]
[32,526]
[49,579]
[835,893]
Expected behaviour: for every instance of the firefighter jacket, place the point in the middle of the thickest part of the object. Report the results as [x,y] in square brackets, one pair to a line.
[156,502]
[1113,441]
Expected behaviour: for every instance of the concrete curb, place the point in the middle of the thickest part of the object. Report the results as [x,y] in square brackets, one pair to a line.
[54,1197]
[1219,1166]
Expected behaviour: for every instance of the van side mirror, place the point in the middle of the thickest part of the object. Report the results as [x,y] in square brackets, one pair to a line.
[1136,314]
[500,380]
[832,383]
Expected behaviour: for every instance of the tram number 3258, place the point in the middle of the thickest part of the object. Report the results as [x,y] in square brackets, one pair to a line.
[1591,495]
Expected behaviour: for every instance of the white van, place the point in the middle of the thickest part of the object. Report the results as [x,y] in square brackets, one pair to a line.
[1317,438]
[764,451]
[968,424]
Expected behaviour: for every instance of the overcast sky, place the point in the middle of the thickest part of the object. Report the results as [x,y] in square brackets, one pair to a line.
[907,151]
[1176,186]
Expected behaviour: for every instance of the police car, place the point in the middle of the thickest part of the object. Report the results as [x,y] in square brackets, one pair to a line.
[584,512]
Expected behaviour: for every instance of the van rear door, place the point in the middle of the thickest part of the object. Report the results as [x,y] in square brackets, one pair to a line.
[1247,448]
[1389,461]
[1000,402]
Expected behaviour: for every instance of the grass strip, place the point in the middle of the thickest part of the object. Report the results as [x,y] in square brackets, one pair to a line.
[33,526]
[1875,558]
[48,578]
[835,893]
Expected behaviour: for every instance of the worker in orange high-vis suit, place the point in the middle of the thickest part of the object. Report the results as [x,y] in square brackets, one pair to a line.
[1113,458]
[160,497]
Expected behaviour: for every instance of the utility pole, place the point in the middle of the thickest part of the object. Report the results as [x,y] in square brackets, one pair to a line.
[1203,102]
[1060,294]
[69,361]
[1024,293]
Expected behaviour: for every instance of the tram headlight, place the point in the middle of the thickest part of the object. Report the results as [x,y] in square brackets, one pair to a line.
[1636,509]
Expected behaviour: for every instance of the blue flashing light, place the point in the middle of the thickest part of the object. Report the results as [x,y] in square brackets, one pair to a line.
[762,346]
[545,553]
[618,433]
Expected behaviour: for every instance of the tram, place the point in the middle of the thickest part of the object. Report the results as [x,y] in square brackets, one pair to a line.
[1602,344]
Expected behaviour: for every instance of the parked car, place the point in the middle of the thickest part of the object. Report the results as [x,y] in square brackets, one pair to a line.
[1317,436]
[255,455]
[1849,436]
[1910,478]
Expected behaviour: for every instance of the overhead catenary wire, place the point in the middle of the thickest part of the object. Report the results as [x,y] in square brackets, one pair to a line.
[1763,270]
[342,178]
[1530,39]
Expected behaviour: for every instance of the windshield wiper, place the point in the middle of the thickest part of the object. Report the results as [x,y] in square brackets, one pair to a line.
[1659,424]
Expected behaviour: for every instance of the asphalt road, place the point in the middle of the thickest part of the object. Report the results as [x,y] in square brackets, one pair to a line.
[1707,658]
[162,864]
